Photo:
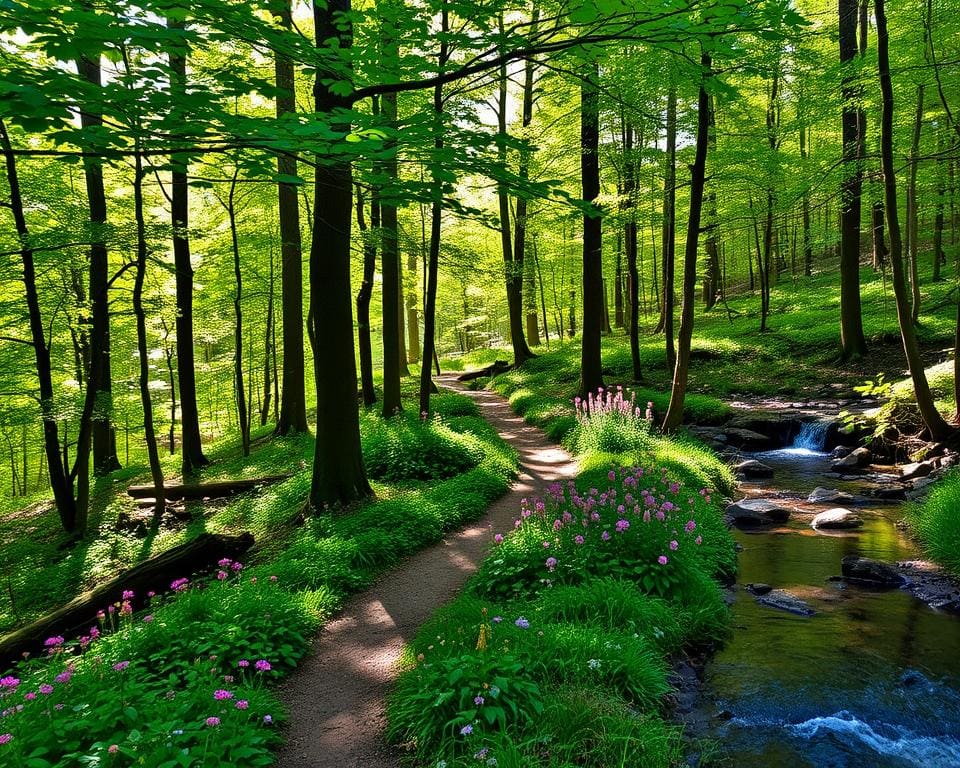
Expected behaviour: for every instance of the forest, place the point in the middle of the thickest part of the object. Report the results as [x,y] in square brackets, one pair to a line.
[479,382]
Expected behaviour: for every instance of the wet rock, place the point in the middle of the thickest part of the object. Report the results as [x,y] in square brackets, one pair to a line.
[747,439]
[837,518]
[840,451]
[753,468]
[829,496]
[932,585]
[784,601]
[856,459]
[759,589]
[915,470]
[863,570]
[750,513]
[894,492]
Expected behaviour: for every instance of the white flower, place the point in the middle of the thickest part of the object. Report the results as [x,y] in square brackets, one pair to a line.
[492,762]
[657,633]
[441,764]
[594,663]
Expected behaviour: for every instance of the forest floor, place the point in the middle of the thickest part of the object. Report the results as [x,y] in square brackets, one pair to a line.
[336,698]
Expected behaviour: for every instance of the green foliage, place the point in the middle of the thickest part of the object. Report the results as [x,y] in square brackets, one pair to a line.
[406,448]
[936,521]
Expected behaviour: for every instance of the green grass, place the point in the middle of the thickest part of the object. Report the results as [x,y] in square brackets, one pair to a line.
[936,522]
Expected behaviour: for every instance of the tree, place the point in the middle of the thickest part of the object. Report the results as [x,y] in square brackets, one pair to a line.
[932,419]
[852,339]
[293,402]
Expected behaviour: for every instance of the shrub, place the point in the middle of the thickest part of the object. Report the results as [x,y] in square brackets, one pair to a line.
[936,521]
[609,422]
[644,526]
[405,448]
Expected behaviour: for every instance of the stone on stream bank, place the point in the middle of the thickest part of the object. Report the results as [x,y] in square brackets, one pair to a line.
[753,469]
[872,573]
[858,458]
[837,518]
[916,470]
[822,495]
[752,513]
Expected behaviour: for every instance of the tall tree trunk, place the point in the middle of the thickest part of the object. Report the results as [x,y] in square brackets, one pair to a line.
[191,453]
[913,215]
[413,318]
[935,423]
[712,280]
[339,476]
[293,397]
[939,257]
[591,362]
[242,414]
[143,352]
[512,259]
[852,341]
[61,484]
[390,265]
[364,345]
[268,350]
[436,214]
[630,248]
[674,416]
[100,379]
[668,247]
[401,313]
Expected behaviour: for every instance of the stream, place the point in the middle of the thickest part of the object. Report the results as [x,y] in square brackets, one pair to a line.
[872,679]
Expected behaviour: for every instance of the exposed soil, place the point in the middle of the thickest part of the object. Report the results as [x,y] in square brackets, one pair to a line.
[336,697]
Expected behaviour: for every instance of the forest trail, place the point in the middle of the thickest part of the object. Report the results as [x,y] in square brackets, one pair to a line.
[336,697]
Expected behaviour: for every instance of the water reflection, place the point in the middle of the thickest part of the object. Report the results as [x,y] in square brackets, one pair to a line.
[871,680]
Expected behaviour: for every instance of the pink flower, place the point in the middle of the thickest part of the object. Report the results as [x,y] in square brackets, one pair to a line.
[578,539]
[113,749]
[498,538]
[273,578]
[64,677]
[237,566]
[622,525]
[605,535]
[126,608]
[225,562]
[148,618]
[228,678]
[690,527]
[30,696]
[180,585]
[221,695]
[243,663]
[263,666]
[673,545]
[46,689]
[151,594]
[127,594]
[546,545]
[699,540]
[551,563]
[221,575]
[242,704]
[611,475]
[213,722]
[120,666]
[53,642]
[663,560]
[9,682]
[6,738]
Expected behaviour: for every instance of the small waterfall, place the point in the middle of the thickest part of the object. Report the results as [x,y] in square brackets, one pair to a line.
[812,436]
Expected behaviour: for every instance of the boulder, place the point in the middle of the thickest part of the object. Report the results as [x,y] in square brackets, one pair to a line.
[753,468]
[837,518]
[840,451]
[863,570]
[915,470]
[750,513]
[893,492]
[747,439]
[759,589]
[784,601]
[856,459]
[829,496]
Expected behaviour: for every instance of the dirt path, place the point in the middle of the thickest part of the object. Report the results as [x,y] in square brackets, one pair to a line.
[336,696]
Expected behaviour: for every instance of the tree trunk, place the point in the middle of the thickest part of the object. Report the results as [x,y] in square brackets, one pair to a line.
[591,362]
[711,283]
[436,214]
[339,476]
[913,216]
[242,419]
[939,257]
[293,397]
[100,379]
[852,341]
[630,248]
[413,319]
[668,247]
[268,350]
[512,259]
[364,344]
[674,416]
[191,447]
[143,350]
[390,269]
[71,517]
[935,424]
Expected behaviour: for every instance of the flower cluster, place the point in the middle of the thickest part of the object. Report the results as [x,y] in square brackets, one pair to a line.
[608,402]
[641,524]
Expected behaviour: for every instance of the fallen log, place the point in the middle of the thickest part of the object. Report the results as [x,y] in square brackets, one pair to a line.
[155,574]
[497,367]
[212,490]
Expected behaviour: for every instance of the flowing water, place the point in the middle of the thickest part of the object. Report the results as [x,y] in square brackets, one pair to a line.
[872,680]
